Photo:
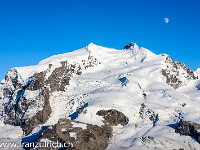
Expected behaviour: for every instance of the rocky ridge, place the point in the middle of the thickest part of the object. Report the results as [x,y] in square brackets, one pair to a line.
[35,94]
[78,135]
[177,74]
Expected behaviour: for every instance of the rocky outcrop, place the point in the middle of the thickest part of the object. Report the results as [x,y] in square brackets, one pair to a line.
[129,45]
[177,73]
[141,112]
[78,135]
[152,116]
[12,81]
[60,77]
[149,113]
[113,117]
[189,129]
[57,80]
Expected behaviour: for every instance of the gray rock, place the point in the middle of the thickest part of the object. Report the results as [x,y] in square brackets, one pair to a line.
[113,117]
[189,129]
[40,117]
[141,112]
[91,138]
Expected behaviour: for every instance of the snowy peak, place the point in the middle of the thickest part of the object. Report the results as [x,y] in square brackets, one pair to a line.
[139,54]
[94,49]
[92,46]
[103,54]
[131,46]
[129,91]
[197,71]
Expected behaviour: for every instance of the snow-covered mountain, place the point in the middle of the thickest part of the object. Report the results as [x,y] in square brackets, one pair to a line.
[103,98]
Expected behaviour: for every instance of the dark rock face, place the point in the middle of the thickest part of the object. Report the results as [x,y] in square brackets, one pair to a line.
[40,117]
[87,136]
[19,105]
[176,72]
[189,129]
[61,76]
[113,117]
[16,110]
[58,79]
[91,138]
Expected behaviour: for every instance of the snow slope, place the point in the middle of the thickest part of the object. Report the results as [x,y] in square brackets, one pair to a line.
[128,80]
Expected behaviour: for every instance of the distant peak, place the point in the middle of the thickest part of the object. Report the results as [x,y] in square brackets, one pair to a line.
[198,70]
[91,45]
[130,46]
[133,48]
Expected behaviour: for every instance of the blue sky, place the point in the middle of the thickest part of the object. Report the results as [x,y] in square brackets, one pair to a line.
[32,30]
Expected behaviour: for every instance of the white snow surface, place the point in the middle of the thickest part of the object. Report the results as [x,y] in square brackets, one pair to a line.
[10,135]
[80,125]
[100,88]
[197,71]
[73,134]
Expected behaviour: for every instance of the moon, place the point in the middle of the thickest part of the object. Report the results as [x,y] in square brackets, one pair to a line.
[166,20]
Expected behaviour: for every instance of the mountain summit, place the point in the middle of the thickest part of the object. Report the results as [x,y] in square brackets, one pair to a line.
[131,46]
[103,98]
